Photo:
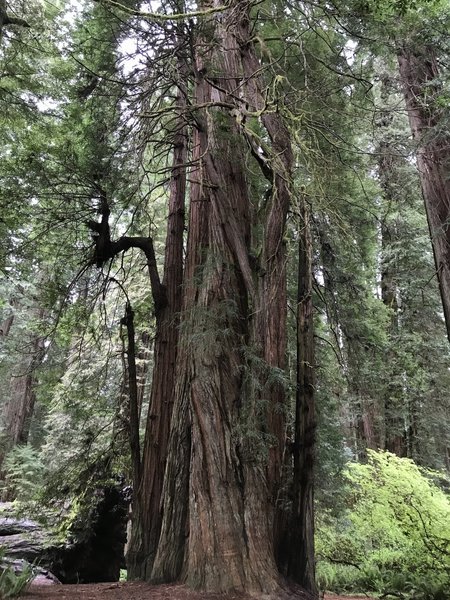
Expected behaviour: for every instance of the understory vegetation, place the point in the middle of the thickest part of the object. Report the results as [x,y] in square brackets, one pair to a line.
[391,534]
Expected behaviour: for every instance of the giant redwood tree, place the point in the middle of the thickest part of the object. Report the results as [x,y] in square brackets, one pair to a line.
[220,519]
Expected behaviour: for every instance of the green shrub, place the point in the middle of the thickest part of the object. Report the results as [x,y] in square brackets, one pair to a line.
[393,536]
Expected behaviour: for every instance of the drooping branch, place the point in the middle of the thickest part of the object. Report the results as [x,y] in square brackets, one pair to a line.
[106,249]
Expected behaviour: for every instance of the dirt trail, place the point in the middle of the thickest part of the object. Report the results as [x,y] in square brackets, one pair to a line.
[135,591]
[120,591]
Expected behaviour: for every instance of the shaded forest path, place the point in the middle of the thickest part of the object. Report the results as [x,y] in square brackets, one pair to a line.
[135,591]
[121,591]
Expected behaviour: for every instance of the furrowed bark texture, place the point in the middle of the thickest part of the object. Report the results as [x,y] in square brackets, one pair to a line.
[269,326]
[224,539]
[170,555]
[147,504]
[419,74]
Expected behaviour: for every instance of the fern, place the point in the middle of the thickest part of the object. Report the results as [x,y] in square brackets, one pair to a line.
[23,472]
[12,584]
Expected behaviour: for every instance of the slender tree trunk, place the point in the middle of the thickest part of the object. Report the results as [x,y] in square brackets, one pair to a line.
[121,427]
[365,417]
[133,430]
[19,406]
[419,74]
[394,410]
[301,560]
[146,519]
[169,563]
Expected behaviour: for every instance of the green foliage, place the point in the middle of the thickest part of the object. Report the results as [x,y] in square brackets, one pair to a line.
[393,536]
[24,471]
[123,575]
[12,584]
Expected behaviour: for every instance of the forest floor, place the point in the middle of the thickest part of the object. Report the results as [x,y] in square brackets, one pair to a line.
[135,591]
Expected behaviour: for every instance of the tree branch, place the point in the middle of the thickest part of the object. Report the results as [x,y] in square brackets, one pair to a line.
[161,17]
[146,245]
[5,19]
[106,249]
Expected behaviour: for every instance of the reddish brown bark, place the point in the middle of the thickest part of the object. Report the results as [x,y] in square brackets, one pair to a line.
[270,302]
[170,557]
[419,74]
[232,308]
[147,502]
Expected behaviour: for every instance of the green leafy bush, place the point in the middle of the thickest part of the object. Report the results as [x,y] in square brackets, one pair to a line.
[392,537]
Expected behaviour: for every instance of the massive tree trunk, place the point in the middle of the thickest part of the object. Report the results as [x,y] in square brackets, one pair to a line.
[224,462]
[419,74]
[170,557]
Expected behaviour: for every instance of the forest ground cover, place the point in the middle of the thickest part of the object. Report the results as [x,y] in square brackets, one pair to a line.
[121,591]
[137,591]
